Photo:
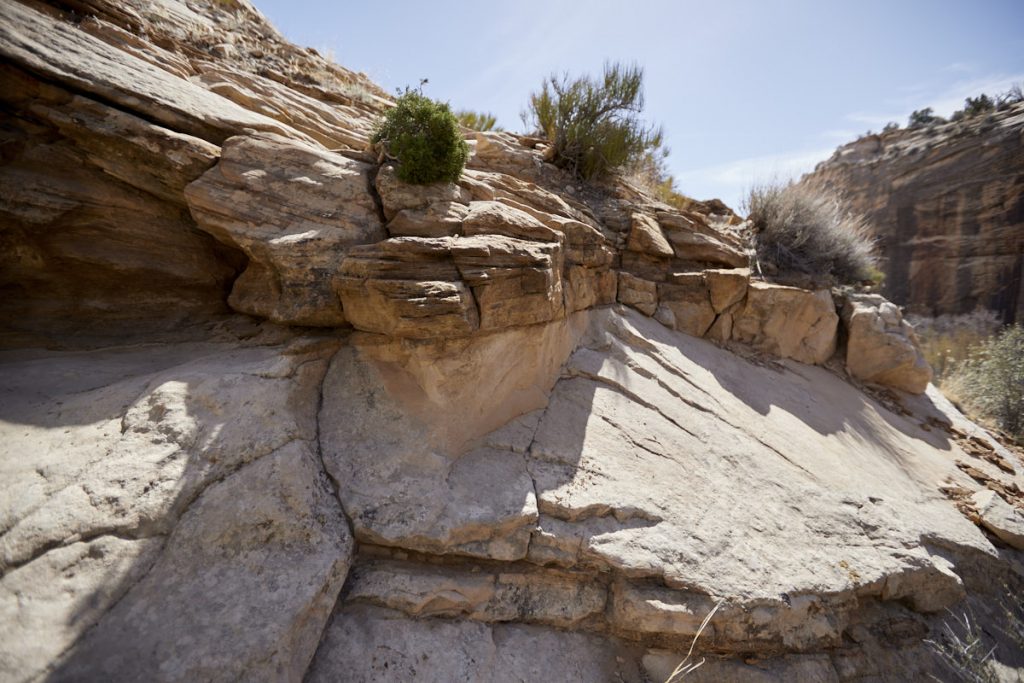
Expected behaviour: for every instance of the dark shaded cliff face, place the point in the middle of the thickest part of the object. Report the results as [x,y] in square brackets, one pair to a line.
[947,203]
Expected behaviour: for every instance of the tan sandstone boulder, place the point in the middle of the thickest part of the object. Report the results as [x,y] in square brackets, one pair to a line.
[881,346]
[684,304]
[788,322]
[645,236]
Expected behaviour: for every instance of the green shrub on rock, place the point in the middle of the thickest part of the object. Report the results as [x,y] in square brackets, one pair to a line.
[593,124]
[424,136]
[991,382]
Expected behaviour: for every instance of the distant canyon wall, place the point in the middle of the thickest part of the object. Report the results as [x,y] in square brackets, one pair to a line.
[947,205]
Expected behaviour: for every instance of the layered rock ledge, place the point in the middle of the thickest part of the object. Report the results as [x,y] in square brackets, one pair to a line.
[270,414]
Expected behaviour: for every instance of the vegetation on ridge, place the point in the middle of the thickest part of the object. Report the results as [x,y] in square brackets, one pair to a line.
[424,136]
[478,120]
[593,125]
[990,382]
[803,230]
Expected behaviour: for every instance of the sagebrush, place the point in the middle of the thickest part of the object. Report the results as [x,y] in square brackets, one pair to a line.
[424,136]
[990,383]
[594,125]
[805,230]
[948,340]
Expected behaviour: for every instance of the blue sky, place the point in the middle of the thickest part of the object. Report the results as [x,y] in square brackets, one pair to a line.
[746,91]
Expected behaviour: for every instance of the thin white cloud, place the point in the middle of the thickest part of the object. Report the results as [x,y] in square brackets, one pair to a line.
[943,100]
[839,135]
[959,67]
[873,121]
[951,99]
[731,181]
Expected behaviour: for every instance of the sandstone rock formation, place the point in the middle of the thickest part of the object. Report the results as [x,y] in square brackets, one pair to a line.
[881,346]
[947,206]
[269,414]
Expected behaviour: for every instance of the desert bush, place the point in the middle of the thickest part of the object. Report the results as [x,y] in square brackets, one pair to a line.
[800,229]
[1011,97]
[948,340]
[593,124]
[477,120]
[923,117]
[990,383]
[424,136]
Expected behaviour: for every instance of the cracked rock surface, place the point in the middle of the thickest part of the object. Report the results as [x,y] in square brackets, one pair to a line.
[269,414]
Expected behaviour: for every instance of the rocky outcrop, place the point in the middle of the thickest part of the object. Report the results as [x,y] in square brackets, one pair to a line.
[881,346]
[318,424]
[294,211]
[607,482]
[947,206]
[116,108]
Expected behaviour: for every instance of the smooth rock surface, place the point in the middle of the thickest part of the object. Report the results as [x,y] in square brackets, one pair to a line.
[411,475]
[163,502]
[457,650]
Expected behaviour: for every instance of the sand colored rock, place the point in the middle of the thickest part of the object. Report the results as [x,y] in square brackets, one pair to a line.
[160,508]
[496,218]
[645,236]
[479,466]
[294,210]
[696,242]
[684,304]
[726,287]
[442,219]
[1000,518]
[881,346]
[639,293]
[788,322]
[438,484]
[58,51]
[473,651]
[397,196]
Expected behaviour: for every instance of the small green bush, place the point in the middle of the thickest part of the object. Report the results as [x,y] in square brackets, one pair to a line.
[478,120]
[593,124]
[923,117]
[990,382]
[424,136]
[804,230]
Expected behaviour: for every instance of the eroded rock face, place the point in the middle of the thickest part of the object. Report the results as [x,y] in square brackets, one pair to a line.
[295,211]
[498,474]
[439,484]
[947,207]
[116,109]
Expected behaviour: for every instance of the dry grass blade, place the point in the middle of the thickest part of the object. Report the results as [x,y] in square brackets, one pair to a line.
[686,666]
[965,653]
